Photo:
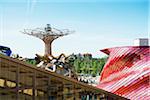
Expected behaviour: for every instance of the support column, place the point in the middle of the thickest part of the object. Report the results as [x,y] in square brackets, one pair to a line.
[49,87]
[17,83]
[34,86]
[48,48]
[74,92]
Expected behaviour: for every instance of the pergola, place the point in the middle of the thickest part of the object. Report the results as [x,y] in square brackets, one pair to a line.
[22,81]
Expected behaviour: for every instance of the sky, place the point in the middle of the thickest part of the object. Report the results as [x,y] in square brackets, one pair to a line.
[98,24]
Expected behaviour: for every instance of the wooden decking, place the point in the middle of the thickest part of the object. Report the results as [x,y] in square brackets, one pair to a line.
[22,81]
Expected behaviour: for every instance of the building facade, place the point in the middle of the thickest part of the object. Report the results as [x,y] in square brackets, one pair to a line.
[127,71]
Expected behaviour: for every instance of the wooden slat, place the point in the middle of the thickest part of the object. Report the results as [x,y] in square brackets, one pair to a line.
[54,77]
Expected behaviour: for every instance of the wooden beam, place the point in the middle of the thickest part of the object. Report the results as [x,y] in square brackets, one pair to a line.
[17,82]
[34,86]
[55,77]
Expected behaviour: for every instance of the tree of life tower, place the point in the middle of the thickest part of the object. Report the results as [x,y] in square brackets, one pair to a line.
[48,35]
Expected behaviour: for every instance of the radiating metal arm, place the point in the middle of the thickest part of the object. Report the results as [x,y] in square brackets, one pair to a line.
[47,34]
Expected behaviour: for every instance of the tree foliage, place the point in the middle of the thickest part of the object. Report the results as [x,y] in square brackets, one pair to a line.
[87,65]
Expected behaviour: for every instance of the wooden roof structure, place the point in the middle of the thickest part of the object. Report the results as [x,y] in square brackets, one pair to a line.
[22,81]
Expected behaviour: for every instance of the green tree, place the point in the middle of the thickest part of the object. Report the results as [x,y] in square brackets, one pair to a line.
[88,65]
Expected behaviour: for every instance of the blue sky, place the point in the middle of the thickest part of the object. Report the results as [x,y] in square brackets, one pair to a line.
[98,24]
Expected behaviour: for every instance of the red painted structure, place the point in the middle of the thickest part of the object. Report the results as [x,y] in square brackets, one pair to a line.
[127,72]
